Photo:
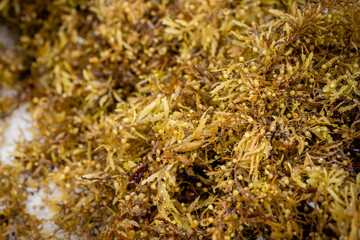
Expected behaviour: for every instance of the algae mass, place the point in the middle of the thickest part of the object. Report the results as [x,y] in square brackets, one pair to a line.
[185,119]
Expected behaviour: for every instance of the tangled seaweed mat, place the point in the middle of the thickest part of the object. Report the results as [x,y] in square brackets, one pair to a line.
[174,119]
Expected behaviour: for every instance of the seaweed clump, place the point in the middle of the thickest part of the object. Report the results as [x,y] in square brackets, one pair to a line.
[191,119]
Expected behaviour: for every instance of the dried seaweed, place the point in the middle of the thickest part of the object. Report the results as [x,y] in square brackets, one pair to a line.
[190,119]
